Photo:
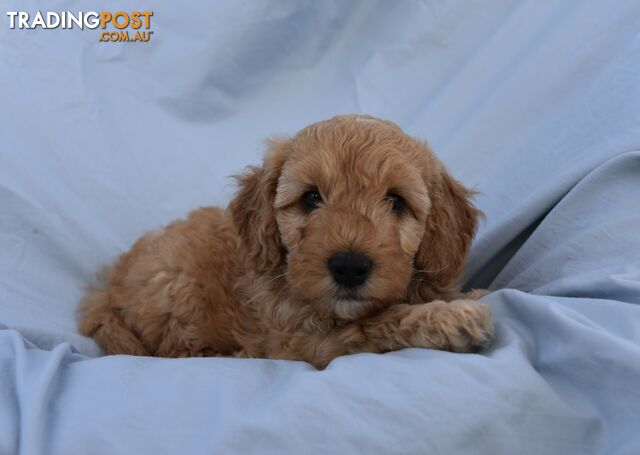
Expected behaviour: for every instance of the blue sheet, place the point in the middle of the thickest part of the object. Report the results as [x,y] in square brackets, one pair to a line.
[534,104]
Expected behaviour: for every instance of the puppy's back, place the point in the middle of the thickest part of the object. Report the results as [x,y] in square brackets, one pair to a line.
[172,281]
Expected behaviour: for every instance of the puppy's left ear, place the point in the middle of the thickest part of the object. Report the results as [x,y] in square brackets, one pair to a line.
[252,209]
[450,228]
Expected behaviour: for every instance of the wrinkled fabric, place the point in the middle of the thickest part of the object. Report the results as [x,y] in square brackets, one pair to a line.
[536,105]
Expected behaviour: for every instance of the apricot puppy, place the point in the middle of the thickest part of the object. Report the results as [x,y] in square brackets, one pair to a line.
[349,238]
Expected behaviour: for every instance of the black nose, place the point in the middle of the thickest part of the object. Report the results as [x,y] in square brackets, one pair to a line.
[350,269]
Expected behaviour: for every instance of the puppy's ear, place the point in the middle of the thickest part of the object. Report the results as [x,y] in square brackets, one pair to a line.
[449,232]
[252,209]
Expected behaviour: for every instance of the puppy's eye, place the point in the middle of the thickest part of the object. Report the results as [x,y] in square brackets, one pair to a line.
[311,200]
[397,203]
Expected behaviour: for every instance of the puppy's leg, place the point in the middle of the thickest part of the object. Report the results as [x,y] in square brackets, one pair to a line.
[458,326]
[102,321]
[182,338]
[195,327]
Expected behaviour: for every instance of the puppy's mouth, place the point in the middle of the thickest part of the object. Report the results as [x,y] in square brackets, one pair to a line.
[347,295]
[349,308]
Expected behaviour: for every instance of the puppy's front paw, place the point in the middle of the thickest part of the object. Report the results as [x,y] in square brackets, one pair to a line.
[458,326]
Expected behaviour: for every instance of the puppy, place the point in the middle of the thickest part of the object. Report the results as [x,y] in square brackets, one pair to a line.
[349,238]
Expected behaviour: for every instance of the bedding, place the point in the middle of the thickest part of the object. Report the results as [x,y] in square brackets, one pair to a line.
[534,104]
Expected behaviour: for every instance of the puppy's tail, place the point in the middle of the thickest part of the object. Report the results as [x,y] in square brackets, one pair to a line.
[100,320]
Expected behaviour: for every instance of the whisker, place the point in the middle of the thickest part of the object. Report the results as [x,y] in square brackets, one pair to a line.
[431,271]
[275,278]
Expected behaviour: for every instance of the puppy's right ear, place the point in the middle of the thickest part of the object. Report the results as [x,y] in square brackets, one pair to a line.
[253,212]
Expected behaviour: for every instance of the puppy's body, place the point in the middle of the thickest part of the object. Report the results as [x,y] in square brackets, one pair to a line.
[349,238]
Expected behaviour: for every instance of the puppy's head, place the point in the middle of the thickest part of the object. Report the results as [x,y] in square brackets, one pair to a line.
[355,215]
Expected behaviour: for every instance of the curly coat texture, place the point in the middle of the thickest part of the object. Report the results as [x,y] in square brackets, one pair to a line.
[254,282]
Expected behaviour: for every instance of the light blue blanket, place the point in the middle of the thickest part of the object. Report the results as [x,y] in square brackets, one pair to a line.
[534,104]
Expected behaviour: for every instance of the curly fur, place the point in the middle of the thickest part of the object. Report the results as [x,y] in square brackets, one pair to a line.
[254,282]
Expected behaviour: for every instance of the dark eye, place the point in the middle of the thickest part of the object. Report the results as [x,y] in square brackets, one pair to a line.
[397,203]
[311,200]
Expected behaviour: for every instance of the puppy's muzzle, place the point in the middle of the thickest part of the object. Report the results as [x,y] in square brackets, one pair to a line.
[350,269]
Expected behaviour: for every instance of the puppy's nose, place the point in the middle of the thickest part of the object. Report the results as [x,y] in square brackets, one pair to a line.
[350,269]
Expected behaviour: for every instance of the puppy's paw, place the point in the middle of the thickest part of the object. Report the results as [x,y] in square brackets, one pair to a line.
[468,325]
[241,354]
[457,326]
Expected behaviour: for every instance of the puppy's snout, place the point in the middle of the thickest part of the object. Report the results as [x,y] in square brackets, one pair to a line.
[350,269]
